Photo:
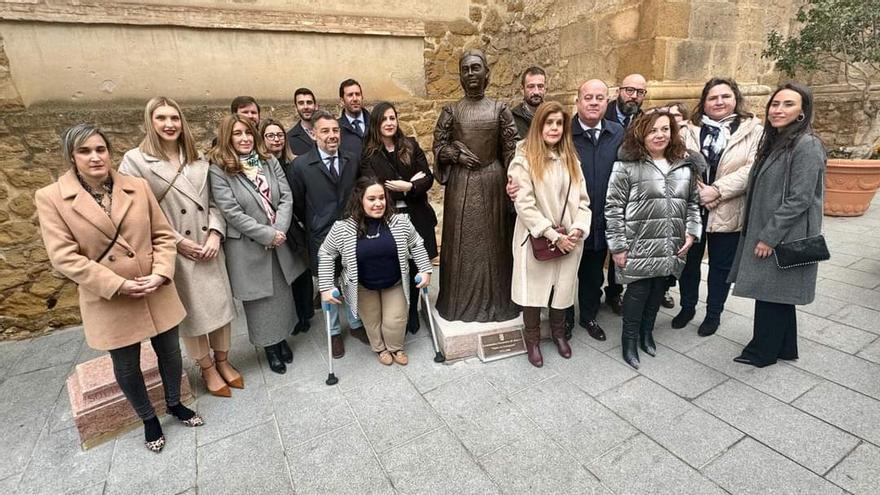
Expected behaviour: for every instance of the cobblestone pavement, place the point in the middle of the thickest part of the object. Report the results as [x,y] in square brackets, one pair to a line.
[690,421]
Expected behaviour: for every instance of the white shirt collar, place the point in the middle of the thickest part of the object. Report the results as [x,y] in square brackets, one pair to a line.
[586,127]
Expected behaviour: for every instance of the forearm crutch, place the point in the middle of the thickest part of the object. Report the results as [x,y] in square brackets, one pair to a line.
[438,356]
[331,377]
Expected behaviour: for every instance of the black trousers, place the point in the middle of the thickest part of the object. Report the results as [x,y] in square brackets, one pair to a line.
[722,251]
[590,278]
[775,334]
[613,289]
[127,369]
[303,292]
[413,314]
[641,301]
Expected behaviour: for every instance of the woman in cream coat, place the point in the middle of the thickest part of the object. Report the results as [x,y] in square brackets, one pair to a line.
[727,136]
[178,177]
[552,193]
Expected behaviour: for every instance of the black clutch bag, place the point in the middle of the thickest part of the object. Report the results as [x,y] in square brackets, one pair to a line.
[801,252]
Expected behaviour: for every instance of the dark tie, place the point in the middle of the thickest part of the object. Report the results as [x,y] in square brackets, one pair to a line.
[331,164]
[593,138]
[356,123]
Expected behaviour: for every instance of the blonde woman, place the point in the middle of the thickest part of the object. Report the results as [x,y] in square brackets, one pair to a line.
[178,177]
[552,206]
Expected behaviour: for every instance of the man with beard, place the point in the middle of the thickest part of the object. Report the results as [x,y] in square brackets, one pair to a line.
[355,119]
[534,88]
[321,181]
[301,138]
[628,104]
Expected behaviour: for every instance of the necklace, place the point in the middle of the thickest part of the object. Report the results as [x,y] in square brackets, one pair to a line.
[374,236]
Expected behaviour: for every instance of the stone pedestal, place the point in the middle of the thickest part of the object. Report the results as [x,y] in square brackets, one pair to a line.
[100,410]
[458,339]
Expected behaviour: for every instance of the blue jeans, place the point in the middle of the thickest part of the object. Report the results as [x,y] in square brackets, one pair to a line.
[335,327]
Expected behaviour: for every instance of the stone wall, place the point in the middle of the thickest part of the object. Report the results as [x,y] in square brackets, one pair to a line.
[55,71]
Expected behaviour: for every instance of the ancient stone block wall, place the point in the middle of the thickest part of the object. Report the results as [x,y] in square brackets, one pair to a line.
[205,52]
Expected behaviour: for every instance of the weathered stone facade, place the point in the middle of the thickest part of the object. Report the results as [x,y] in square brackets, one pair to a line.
[676,44]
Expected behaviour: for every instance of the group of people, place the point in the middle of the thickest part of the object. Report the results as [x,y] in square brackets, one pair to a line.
[161,247]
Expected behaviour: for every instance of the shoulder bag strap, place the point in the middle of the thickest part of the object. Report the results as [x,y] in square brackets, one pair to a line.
[170,184]
[109,246]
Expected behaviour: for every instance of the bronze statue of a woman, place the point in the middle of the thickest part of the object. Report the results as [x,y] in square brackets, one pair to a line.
[474,141]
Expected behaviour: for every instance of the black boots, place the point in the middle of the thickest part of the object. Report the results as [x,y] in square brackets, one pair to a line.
[630,352]
[273,357]
[285,352]
[646,339]
[709,326]
[683,317]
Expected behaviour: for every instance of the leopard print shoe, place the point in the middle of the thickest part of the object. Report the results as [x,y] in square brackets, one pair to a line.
[156,445]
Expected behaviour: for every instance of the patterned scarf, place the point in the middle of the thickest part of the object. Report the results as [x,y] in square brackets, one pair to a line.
[252,168]
[717,135]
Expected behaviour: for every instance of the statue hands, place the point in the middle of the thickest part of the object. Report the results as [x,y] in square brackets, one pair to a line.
[466,157]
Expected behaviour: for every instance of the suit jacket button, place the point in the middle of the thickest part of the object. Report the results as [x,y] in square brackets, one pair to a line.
[130,254]
[186,232]
[111,257]
[183,211]
[204,228]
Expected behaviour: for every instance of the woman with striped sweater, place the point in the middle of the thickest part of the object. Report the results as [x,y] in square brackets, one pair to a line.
[374,246]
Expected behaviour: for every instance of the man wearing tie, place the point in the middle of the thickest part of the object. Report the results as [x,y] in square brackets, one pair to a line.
[321,181]
[355,119]
[596,140]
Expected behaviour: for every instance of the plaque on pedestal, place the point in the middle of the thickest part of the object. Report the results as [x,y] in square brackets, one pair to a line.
[499,345]
[100,410]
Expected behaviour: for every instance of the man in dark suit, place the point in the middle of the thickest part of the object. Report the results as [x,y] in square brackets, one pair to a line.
[355,119]
[596,140]
[628,105]
[321,181]
[534,87]
[301,138]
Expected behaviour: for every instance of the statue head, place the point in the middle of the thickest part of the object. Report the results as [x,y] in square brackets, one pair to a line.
[473,73]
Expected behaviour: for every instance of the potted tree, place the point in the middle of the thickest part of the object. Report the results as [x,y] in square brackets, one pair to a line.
[840,37]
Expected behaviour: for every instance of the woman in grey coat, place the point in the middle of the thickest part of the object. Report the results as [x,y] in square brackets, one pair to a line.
[251,192]
[783,203]
[653,218]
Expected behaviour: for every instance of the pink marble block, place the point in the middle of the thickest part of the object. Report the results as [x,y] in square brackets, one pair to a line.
[100,410]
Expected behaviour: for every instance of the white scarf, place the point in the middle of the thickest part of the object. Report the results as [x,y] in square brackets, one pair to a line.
[719,143]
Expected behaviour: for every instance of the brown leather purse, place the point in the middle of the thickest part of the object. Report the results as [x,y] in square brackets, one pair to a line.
[542,248]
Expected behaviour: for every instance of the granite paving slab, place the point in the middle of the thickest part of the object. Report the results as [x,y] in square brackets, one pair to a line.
[536,465]
[848,410]
[687,431]
[306,409]
[750,468]
[573,419]
[859,317]
[71,469]
[639,466]
[675,371]
[391,411]
[858,473]
[839,367]
[866,265]
[482,418]
[308,364]
[591,370]
[250,461]
[836,335]
[54,349]
[823,305]
[436,463]
[225,417]
[782,381]
[515,373]
[340,462]
[810,442]
[425,374]
[871,352]
[850,276]
[849,293]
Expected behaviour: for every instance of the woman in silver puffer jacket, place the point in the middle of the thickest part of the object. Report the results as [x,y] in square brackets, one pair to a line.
[653,218]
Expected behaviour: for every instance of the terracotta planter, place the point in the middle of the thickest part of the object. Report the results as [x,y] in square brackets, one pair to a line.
[850,186]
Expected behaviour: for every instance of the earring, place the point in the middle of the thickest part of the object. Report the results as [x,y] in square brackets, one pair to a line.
[801,117]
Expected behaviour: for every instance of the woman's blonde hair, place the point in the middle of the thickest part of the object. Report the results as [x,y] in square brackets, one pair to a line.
[152,143]
[538,152]
[223,154]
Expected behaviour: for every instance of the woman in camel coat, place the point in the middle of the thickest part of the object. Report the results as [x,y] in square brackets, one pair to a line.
[106,232]
[167,159]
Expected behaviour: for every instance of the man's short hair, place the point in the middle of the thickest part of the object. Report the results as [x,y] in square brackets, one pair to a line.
[322,115]
[304,91]
[347,83]
[243,101]
[532,71]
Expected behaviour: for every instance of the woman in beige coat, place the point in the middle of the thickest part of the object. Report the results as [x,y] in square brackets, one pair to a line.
[168,160]
[727,136]
[105,232]
[552,206]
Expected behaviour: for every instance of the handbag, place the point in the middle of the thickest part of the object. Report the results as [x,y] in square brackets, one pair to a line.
[542,248]
[800,252]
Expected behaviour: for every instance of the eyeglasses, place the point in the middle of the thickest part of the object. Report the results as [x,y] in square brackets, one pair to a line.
[629,90]
[271,136]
